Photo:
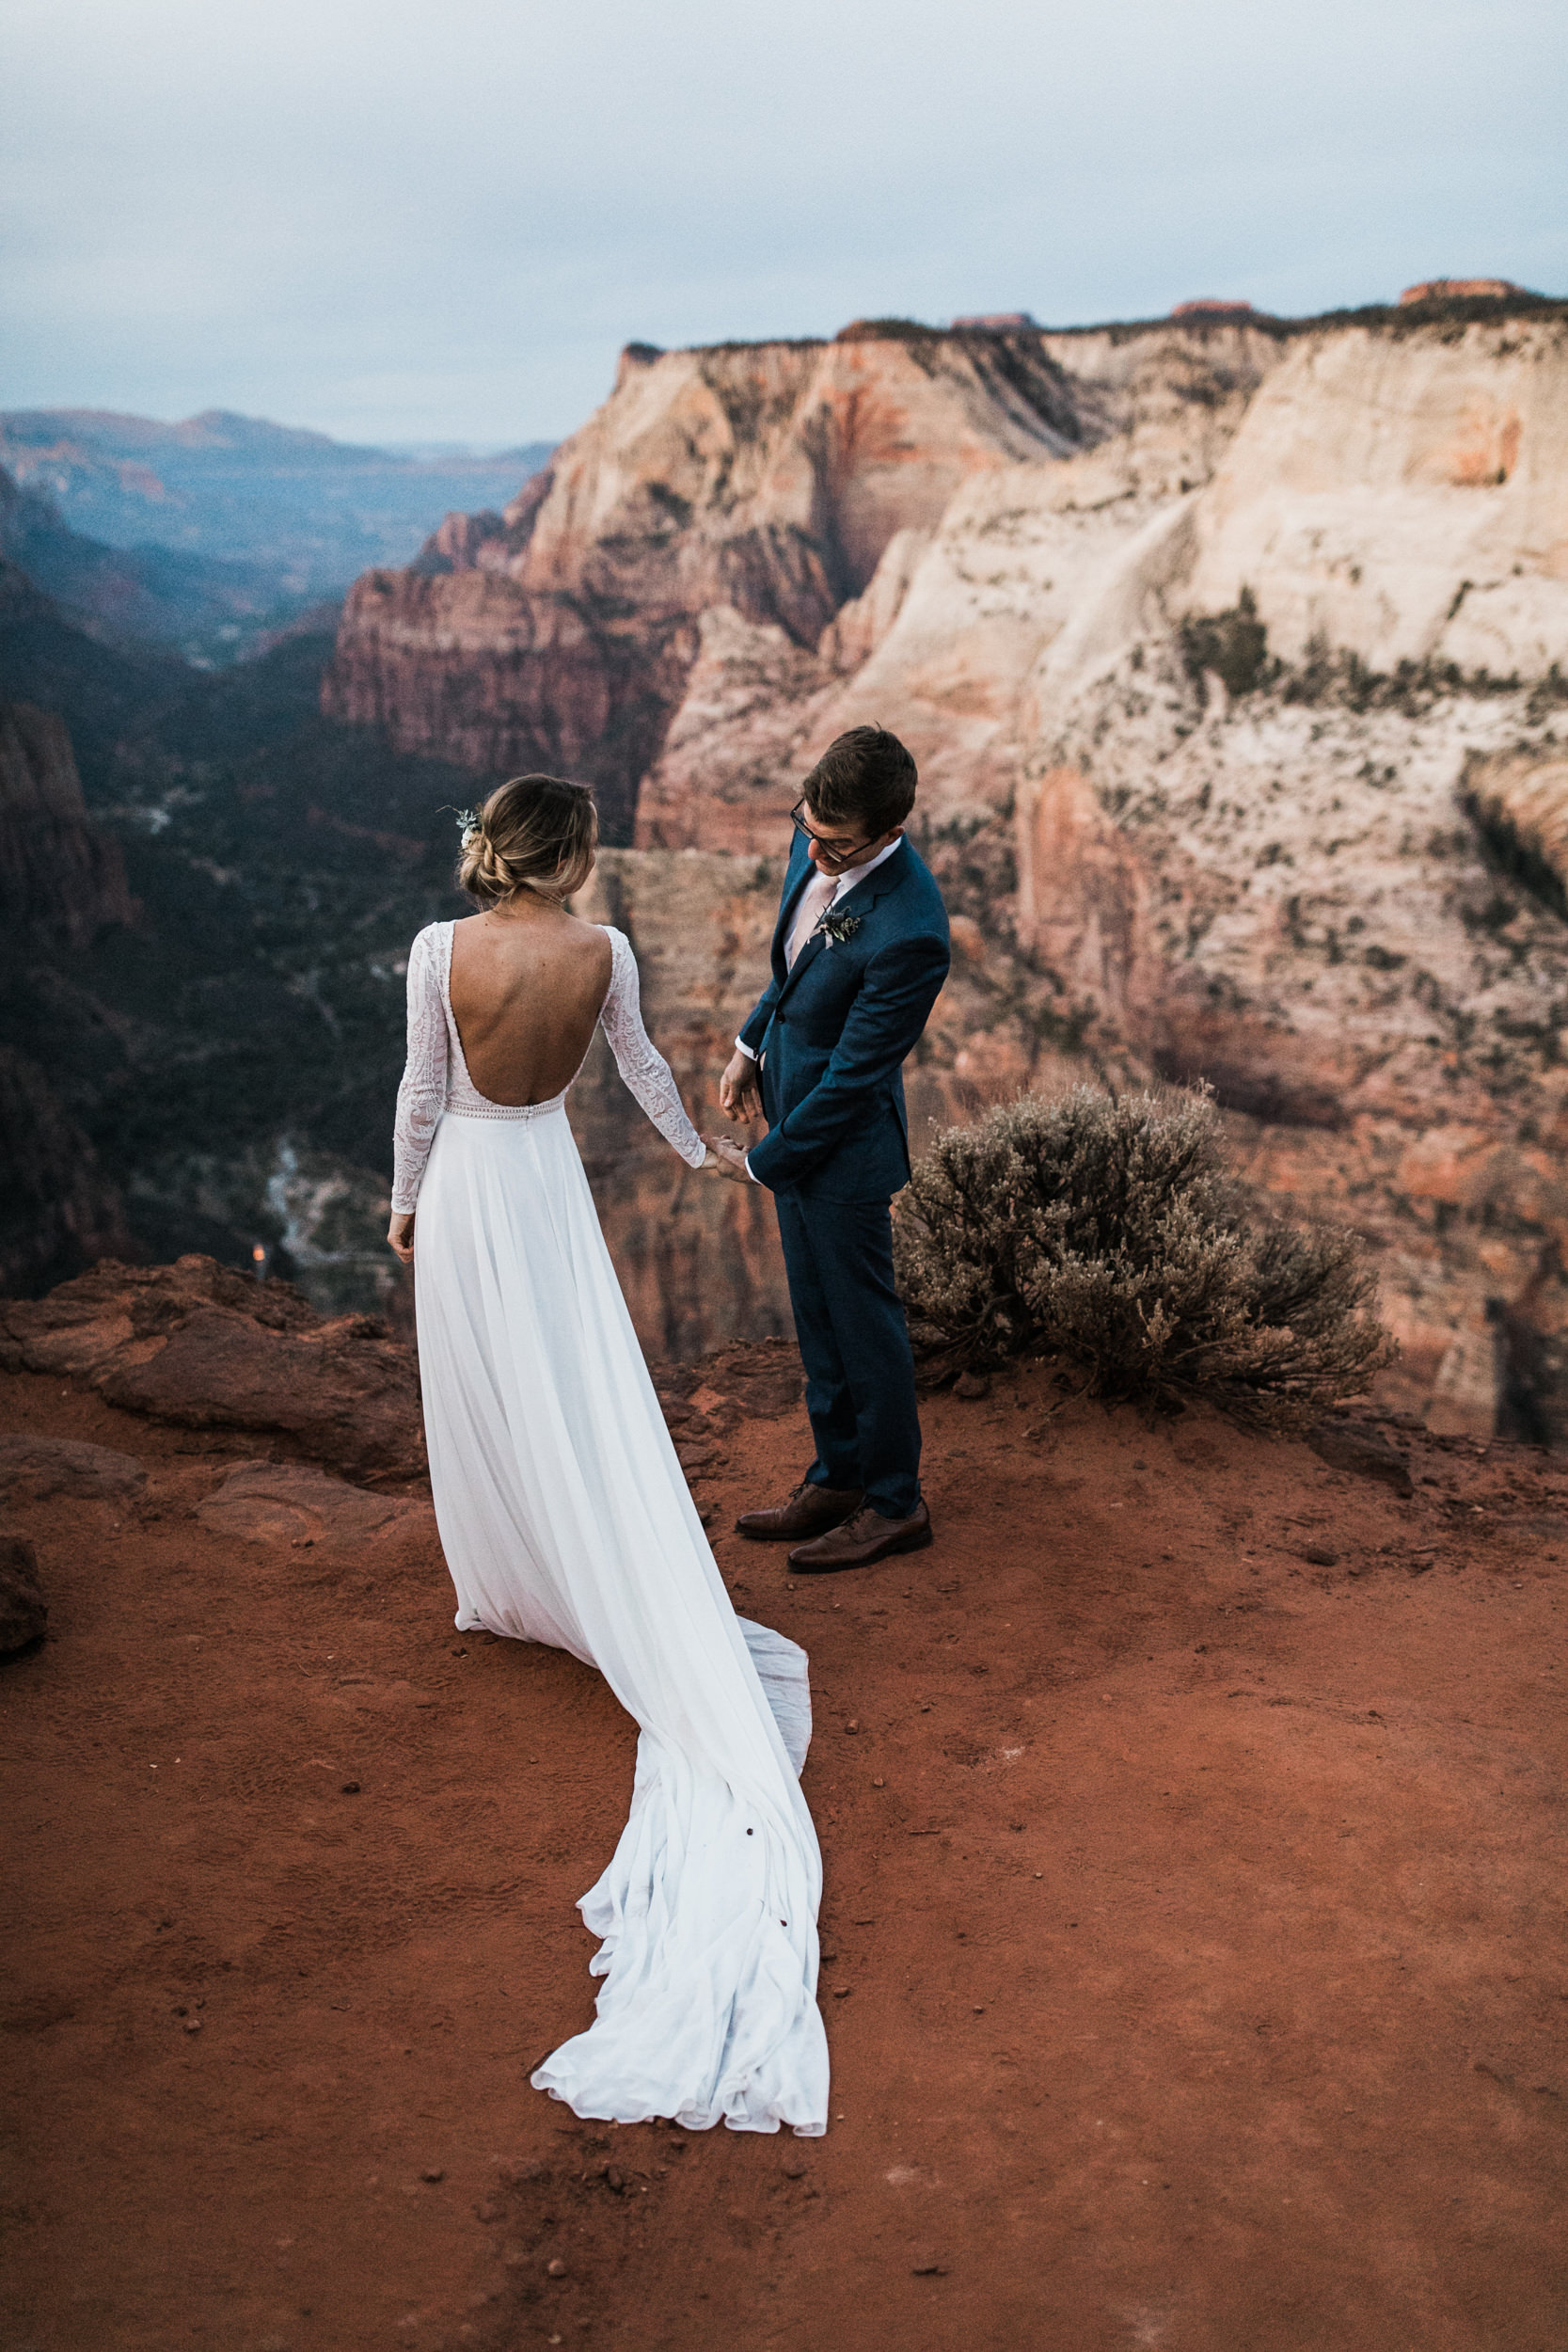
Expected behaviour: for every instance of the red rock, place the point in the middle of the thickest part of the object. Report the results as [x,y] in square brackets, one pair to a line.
[40,1466]
[288,1502]
[196,1344]
[1458,289]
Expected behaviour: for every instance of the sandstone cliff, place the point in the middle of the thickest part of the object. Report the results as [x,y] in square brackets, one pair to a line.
[1235,672]
[764,479]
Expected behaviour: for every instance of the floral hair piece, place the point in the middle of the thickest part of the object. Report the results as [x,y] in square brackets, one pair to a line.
[467,823]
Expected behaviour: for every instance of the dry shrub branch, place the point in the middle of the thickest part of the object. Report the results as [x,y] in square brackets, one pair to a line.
[1105,1230]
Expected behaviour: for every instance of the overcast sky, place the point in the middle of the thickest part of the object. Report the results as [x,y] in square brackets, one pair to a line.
[441,219]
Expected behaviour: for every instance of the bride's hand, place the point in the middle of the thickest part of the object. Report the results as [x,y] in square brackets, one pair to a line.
[400,1235]
[726,1159]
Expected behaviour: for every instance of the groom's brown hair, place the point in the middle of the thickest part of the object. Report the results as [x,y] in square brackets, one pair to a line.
[865,777]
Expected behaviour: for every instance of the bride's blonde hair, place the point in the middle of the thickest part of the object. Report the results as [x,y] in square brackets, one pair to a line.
[535,833]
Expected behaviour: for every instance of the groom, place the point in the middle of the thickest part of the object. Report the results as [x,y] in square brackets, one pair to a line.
[859,954]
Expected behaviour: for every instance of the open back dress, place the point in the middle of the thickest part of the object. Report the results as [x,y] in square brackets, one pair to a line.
[564,1518]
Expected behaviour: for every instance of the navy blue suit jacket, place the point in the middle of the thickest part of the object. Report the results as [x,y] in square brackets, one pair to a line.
[832,1033]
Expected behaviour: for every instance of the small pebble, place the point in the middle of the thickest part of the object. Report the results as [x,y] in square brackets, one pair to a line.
[193,2025]
[350,1788]
[555,2268]
[433,2172]
[843,1992]
[1320,1556]
[879,1783]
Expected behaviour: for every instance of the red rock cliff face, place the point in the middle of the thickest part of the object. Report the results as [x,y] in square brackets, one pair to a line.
[766,478]
[61,881]
[60,877]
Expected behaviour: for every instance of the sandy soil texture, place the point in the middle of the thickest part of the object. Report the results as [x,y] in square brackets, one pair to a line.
[1194,1953]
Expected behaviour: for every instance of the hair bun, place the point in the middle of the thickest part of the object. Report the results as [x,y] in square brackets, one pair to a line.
[534,832]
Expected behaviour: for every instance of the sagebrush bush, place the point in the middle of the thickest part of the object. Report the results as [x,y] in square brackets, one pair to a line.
[1104,1229]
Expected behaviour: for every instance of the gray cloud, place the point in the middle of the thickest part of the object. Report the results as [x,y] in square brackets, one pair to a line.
[443,217]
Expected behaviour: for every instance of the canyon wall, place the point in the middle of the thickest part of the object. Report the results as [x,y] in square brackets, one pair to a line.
[765,480]
[1233,657]
[62,880]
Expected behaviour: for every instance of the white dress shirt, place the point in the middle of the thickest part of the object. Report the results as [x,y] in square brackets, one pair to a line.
[813,903]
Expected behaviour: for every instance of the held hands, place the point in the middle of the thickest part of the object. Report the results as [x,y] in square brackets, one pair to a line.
[400,1235]
[740,1097]
[725,1158]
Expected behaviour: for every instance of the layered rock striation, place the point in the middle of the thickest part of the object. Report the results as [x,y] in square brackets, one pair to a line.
[765,480]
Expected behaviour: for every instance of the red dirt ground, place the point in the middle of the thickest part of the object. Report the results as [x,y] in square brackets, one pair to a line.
[1195,1962]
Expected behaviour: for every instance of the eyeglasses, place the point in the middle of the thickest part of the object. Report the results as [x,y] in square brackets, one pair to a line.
[839,851]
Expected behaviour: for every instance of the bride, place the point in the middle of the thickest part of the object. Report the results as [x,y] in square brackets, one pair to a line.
[563,1510]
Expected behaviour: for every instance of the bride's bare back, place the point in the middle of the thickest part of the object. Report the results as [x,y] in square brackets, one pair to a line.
[526,987]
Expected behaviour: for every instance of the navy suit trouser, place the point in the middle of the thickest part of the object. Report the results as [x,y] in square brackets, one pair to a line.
[855,1345]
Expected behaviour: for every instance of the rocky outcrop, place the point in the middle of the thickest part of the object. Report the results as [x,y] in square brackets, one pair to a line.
[37,1467]
[195,1344]
[766,478]
[62,878]
[289,1502]
[1460,289]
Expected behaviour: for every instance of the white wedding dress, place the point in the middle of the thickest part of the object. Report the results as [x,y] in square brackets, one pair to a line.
[566,1519]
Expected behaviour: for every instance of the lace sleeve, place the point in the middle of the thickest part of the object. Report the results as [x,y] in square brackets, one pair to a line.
[642,1066]
[423,1094]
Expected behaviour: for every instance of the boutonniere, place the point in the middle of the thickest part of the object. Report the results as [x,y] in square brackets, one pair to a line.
[833,925]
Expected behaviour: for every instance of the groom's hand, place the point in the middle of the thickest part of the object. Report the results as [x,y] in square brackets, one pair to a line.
[726,1158]
[738,1094]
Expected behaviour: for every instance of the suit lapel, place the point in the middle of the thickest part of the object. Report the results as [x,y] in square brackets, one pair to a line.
[860,901]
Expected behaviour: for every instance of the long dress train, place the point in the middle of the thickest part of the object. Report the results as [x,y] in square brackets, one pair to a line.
[566,1519]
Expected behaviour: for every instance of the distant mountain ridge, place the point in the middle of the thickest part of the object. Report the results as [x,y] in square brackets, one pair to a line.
[161,596]
[311,512]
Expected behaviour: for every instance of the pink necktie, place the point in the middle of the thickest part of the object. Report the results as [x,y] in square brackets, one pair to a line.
[813,900]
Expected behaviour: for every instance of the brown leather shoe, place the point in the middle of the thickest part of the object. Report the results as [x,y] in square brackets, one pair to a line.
[810,1511]
[858,1541]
